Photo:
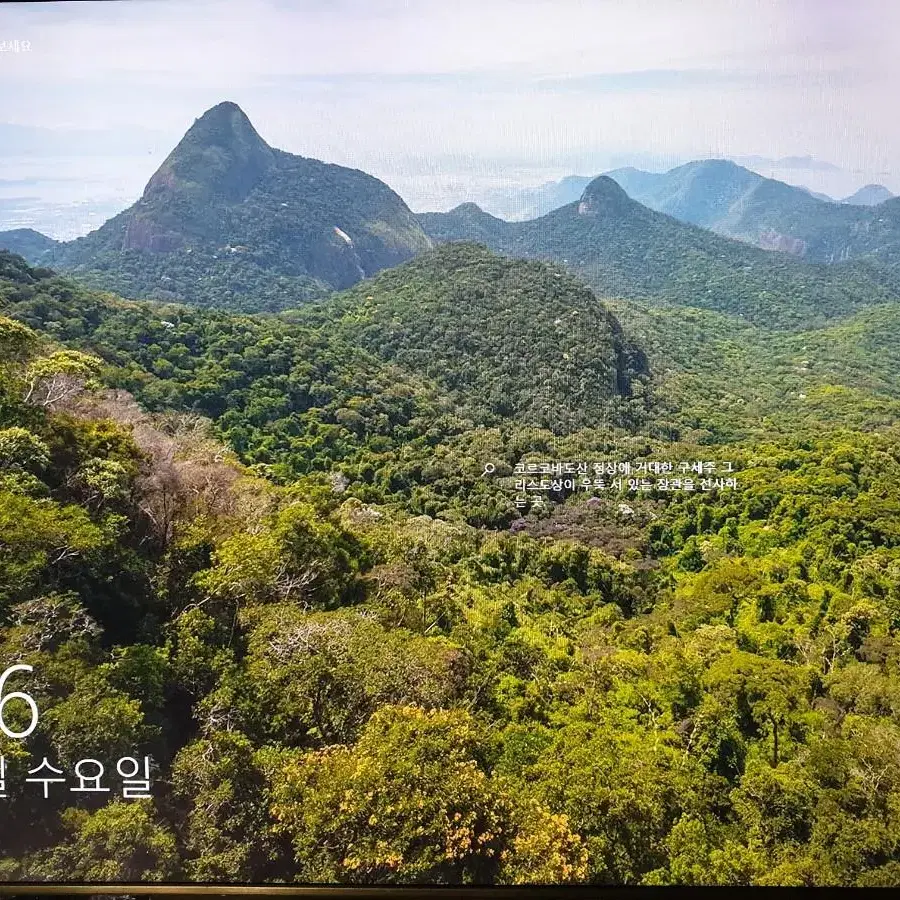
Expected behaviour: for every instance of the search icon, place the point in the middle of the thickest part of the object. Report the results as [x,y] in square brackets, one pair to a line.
[489,469]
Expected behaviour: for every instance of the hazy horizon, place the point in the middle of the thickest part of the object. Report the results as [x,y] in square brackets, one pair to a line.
[444,104]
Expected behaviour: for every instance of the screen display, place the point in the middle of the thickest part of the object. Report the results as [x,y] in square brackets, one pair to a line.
[450,443]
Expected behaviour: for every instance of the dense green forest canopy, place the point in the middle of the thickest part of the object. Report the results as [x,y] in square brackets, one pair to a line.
[526,340]
[337,690]
[407,386]
[622,248]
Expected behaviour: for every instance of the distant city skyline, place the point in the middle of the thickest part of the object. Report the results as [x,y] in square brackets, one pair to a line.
[447,102]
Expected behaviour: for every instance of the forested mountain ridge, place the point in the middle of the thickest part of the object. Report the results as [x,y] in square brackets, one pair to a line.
[229,221]
[622,248]
[524,340]
[738,203]
[394,383]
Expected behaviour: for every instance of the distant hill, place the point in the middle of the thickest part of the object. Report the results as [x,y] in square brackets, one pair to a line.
[798,163]
[229,221]
[623,248]
[26,242]
[467,222]
[733,201]
[869,195]
[518,204]
[702,193]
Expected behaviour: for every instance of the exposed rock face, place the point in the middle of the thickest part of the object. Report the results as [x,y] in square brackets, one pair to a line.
[770,239]
[141,234]
[603,197]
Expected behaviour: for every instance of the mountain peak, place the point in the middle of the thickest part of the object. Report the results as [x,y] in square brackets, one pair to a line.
[473,212]
[221,153]
[230,221]
[468,208]
[225,122]
[869,195]
[716,168]
[226,107]
[604,195]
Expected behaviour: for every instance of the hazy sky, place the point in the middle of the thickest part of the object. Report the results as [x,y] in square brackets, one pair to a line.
[444,98]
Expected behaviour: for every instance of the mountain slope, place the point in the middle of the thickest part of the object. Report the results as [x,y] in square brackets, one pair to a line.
[817,195]
[457,332]
[622,248]
[229,221]
[722,379]
[735,202]
[28,243]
